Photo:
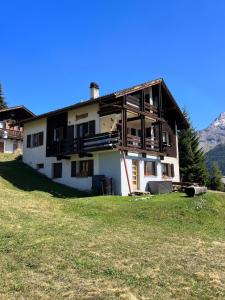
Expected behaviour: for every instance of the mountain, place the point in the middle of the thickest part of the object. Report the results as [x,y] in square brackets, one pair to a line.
[214,134]
[217,154]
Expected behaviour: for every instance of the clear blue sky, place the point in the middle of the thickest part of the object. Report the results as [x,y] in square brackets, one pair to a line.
[51,50]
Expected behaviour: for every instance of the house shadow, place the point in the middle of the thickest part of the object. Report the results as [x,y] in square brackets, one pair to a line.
[25,178]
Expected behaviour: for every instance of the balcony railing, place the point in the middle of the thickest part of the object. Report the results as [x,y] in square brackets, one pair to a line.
[99,142]
[11,134]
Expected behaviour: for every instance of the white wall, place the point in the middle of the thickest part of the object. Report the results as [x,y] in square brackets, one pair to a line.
[109,165]
[8,145]
[92,111]
[143,180]
[35,155]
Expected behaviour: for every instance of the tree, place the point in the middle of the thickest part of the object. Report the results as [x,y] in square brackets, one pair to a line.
[216,178]
[191,156]
[3,103]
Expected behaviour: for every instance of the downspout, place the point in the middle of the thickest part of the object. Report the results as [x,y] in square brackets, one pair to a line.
[125,165]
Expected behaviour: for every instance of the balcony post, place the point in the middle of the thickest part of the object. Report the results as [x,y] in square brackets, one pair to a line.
[143,132]
[124,122]
[160,116]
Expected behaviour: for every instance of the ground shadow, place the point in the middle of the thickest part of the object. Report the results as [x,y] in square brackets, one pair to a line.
[27,179]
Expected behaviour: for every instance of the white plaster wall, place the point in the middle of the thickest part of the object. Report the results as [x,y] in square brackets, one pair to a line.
[8,145]
[109,165]
[36,155]
[80,183]
[175,162]
[92,111]
[143,180]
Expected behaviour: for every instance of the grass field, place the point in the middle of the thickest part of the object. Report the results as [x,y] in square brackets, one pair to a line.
[56,243]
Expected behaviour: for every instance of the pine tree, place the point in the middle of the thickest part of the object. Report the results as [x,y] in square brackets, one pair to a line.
[3,103]
[191,156]
[216,176]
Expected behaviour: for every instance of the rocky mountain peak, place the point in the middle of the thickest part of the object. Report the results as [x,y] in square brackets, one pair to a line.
[214,134]
[218,122]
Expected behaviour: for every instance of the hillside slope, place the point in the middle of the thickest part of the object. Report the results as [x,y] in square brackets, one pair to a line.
[58,244]
[217,155]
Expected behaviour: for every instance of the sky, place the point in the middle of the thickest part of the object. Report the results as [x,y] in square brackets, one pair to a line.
[50,51]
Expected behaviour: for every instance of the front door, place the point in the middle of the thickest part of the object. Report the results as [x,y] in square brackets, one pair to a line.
[1,147]
[135,174]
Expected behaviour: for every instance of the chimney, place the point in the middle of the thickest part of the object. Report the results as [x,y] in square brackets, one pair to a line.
[94,88]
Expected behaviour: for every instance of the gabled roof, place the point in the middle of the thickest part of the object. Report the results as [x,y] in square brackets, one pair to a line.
[19,107]
[116,94]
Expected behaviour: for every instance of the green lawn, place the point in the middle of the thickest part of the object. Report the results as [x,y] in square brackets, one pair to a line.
[56,243]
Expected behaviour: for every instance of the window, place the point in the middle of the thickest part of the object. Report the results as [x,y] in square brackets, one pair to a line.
[73,169]
[40,166]
[57,170]
[165,138]
[86,168]
[167,170]
[86,129]
[35,140]
[150,168]
[58,134]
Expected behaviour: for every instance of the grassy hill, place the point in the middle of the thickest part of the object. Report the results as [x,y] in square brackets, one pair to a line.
[56,243]
[217,155]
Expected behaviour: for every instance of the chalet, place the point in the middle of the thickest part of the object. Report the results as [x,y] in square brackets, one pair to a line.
[129,136]
[11,134]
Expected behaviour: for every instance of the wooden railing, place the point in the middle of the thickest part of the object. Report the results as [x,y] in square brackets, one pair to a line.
[12,134]
[99,142]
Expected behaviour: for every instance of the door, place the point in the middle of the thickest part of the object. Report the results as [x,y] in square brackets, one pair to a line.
[1,147]
[135,174]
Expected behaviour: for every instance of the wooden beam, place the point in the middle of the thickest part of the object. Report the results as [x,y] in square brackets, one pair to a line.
[160,116]
[136,150]
[150,115]
[143,133]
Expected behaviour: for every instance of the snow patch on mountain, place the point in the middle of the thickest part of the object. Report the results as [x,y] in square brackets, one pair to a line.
[214,134]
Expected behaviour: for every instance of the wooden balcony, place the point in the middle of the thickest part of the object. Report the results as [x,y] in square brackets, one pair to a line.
[11,134]
[100,142]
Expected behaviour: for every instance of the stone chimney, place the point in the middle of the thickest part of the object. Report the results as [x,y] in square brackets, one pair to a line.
[94,89]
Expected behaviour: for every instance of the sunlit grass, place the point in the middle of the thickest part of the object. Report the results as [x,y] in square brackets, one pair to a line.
[56,243]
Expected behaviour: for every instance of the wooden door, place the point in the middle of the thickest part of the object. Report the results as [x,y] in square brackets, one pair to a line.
[135,174]
[1,147]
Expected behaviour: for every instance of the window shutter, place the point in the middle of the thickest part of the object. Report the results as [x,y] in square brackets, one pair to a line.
[28,141]
[172,170]
[41,138]
[154,169]
[90,167]
[73,169]
[92,128]
[169,170]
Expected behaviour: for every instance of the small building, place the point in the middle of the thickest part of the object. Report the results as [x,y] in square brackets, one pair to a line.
[11,134]
[129,136]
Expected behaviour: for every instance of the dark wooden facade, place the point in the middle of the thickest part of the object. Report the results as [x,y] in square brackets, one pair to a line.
[132,106]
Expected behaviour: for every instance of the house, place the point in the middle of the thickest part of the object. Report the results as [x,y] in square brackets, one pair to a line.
[11,134]
[129,136]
